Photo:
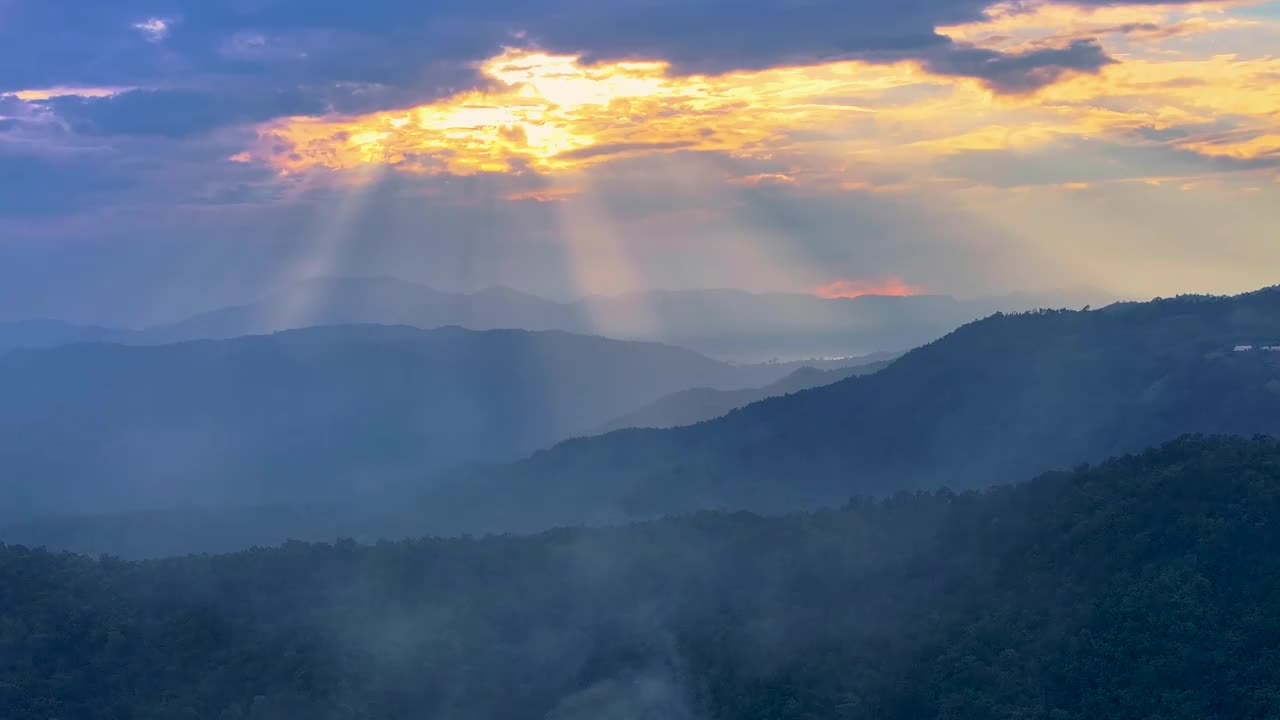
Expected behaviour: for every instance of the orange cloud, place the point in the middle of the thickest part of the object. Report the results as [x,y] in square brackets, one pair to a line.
[835,124]
[764,179]
[553,113]
[37,95]
[1013,25]
[544,195]
[893,286]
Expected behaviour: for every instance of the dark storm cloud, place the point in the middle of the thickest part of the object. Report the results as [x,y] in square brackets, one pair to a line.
[1021,72]
[178,113]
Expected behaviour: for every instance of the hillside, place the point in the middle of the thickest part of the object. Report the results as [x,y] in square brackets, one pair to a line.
[1003,398]
[303,415]
[998,399]
[695,405]
[1146,587]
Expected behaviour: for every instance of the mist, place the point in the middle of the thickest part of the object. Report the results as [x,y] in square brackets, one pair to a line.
[639,360]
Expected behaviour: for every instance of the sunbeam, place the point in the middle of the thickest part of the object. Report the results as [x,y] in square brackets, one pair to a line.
[330,239]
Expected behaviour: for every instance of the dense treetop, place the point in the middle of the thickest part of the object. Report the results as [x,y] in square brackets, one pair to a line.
[1144,587]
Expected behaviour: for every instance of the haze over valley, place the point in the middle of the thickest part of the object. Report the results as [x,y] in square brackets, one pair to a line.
[694,360]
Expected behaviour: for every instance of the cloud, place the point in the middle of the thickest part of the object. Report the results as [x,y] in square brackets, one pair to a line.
[543,195]
[763,179]
[425,49]
[1009,24]
[462,142]
[1070,161]
[55,92]
[157,261]
[841,124]
[51,174]
[622,148]
[154,29]
[1022,72]
[12,105]
[178,113]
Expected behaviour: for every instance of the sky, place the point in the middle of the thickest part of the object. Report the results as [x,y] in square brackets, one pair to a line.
[160,157]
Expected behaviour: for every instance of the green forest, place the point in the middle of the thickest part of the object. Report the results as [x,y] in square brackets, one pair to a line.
[1143,587]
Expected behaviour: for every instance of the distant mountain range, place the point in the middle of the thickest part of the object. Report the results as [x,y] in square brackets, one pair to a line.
[309,414]
[378,300]
[999,399]
[696,405]
[732,324]
[725,323]
[51,333]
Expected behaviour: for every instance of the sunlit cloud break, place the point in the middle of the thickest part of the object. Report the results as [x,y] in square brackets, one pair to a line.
[893,287]
[965,146]
[553,112]
[835,121]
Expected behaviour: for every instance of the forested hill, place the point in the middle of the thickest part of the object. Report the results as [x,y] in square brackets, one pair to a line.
[1147,587]
[999,399]
[317,413]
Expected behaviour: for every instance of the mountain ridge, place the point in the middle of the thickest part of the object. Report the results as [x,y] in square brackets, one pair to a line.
[1006,397]
[321,408]
[727,323]
[687,407]
[720,322]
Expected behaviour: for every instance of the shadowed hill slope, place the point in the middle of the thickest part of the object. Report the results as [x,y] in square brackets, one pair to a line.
[302,415]
[998,399]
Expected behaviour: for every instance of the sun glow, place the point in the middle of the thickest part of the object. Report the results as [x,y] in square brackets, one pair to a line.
[836,123]
[893,286]
[553,112]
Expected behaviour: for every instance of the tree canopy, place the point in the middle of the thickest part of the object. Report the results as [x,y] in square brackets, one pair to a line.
[1143,587]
